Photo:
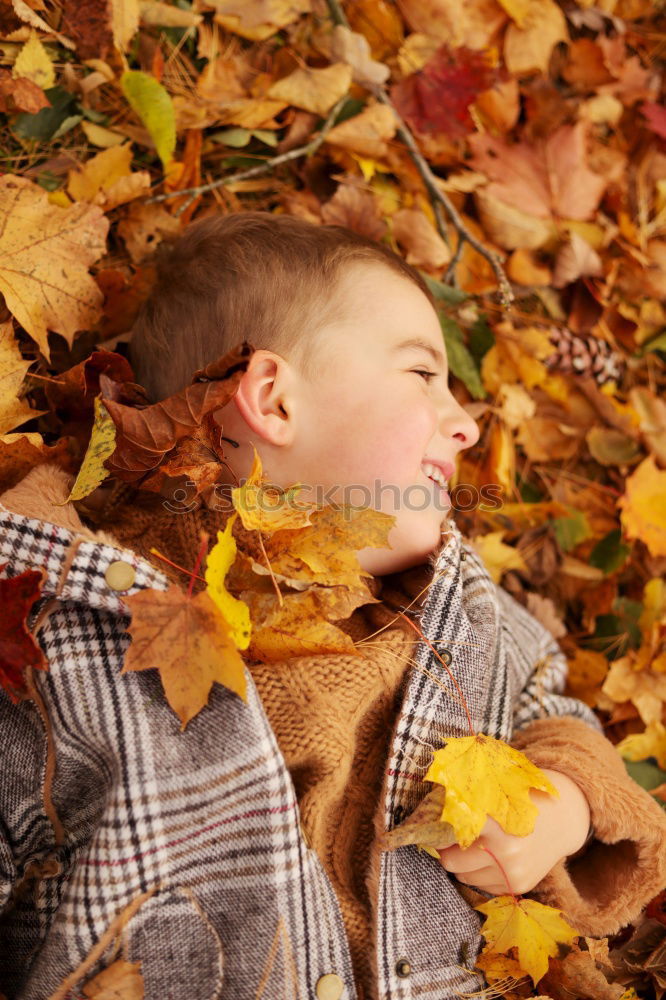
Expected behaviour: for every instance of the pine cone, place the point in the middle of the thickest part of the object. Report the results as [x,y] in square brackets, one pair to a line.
[583,356]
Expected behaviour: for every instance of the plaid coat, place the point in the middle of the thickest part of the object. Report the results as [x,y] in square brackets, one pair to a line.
[185,849]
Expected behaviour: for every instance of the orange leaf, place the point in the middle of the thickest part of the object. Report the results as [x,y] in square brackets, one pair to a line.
[189,642]
[120,981]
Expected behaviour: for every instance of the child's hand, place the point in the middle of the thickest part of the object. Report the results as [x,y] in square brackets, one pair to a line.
[561,829]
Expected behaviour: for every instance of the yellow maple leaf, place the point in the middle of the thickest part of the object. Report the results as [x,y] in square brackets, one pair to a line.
[645,688]
[13,411]
[644,506]
[106,179]
[220,559]
[486,777]
[325,552]
[265,507]
[120,981]
[45,253]
[189,642]
[535,930]
[102,444]
[640,746]
[300,625]
[497,556]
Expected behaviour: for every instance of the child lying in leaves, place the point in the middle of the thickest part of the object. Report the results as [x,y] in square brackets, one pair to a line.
[242,857]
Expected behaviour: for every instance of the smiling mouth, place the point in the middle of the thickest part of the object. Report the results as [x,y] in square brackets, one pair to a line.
[442,491]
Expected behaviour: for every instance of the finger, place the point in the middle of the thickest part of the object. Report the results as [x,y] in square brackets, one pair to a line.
[483,878]
[456,860]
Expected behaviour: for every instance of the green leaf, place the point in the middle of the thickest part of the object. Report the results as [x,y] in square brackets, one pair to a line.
[616,633]
[571,530]
[352,106]
[647,774]
[444,293]
[657,343]
[45,124]
[529,492]
[236,137]
[461,362]
[239,137]
[153,105]
[481,338]
[610,553]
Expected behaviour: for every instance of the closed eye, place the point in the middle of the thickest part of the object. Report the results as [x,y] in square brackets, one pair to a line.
[426,375]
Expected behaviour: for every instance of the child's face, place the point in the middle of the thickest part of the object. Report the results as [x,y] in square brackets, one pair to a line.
[361,430]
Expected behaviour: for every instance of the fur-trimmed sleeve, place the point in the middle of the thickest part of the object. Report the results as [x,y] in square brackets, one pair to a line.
[624,865]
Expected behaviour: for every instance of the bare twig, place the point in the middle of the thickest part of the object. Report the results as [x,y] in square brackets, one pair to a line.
[262,168]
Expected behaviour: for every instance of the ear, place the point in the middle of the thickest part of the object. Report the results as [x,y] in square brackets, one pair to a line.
[264,398]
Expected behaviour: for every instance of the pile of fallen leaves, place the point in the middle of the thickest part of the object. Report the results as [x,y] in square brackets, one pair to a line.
[513,151]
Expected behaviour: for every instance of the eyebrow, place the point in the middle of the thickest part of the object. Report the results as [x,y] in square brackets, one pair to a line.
[437,356]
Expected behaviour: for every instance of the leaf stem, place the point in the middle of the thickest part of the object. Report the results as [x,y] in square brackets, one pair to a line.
[446,667]
[202,552]
[501,868]
[181,569]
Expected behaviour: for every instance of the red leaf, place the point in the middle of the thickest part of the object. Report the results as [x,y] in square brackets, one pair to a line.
[656,117]
[18,648]
[437,98]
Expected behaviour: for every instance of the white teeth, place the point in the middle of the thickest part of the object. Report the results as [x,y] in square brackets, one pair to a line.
[434,473]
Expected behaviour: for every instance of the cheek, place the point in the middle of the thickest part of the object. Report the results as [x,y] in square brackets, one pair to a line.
[402,443]
[383,438]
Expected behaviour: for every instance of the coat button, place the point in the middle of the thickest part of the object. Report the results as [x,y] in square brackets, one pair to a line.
[403,968]
[329,987]
[120,575]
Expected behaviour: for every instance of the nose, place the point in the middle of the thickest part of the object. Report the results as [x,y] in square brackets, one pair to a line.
[456,423]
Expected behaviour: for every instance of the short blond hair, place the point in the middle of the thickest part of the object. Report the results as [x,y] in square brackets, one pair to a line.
[268,279]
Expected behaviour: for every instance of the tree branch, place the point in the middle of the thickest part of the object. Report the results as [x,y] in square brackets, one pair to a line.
[438,198]
[261,168]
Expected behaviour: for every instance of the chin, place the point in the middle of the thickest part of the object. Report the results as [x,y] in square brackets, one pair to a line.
[381,562]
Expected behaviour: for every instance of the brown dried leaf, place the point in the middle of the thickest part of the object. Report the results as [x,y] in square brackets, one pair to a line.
[366,133]
[19,453]
[424,247]
[20,95]
[144,227]
[423,826]
[576,974]
[313,89]
[528,47]
[257,19]
[474,25]
[145,435]
[353,48]
[357,209]
[548,180]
